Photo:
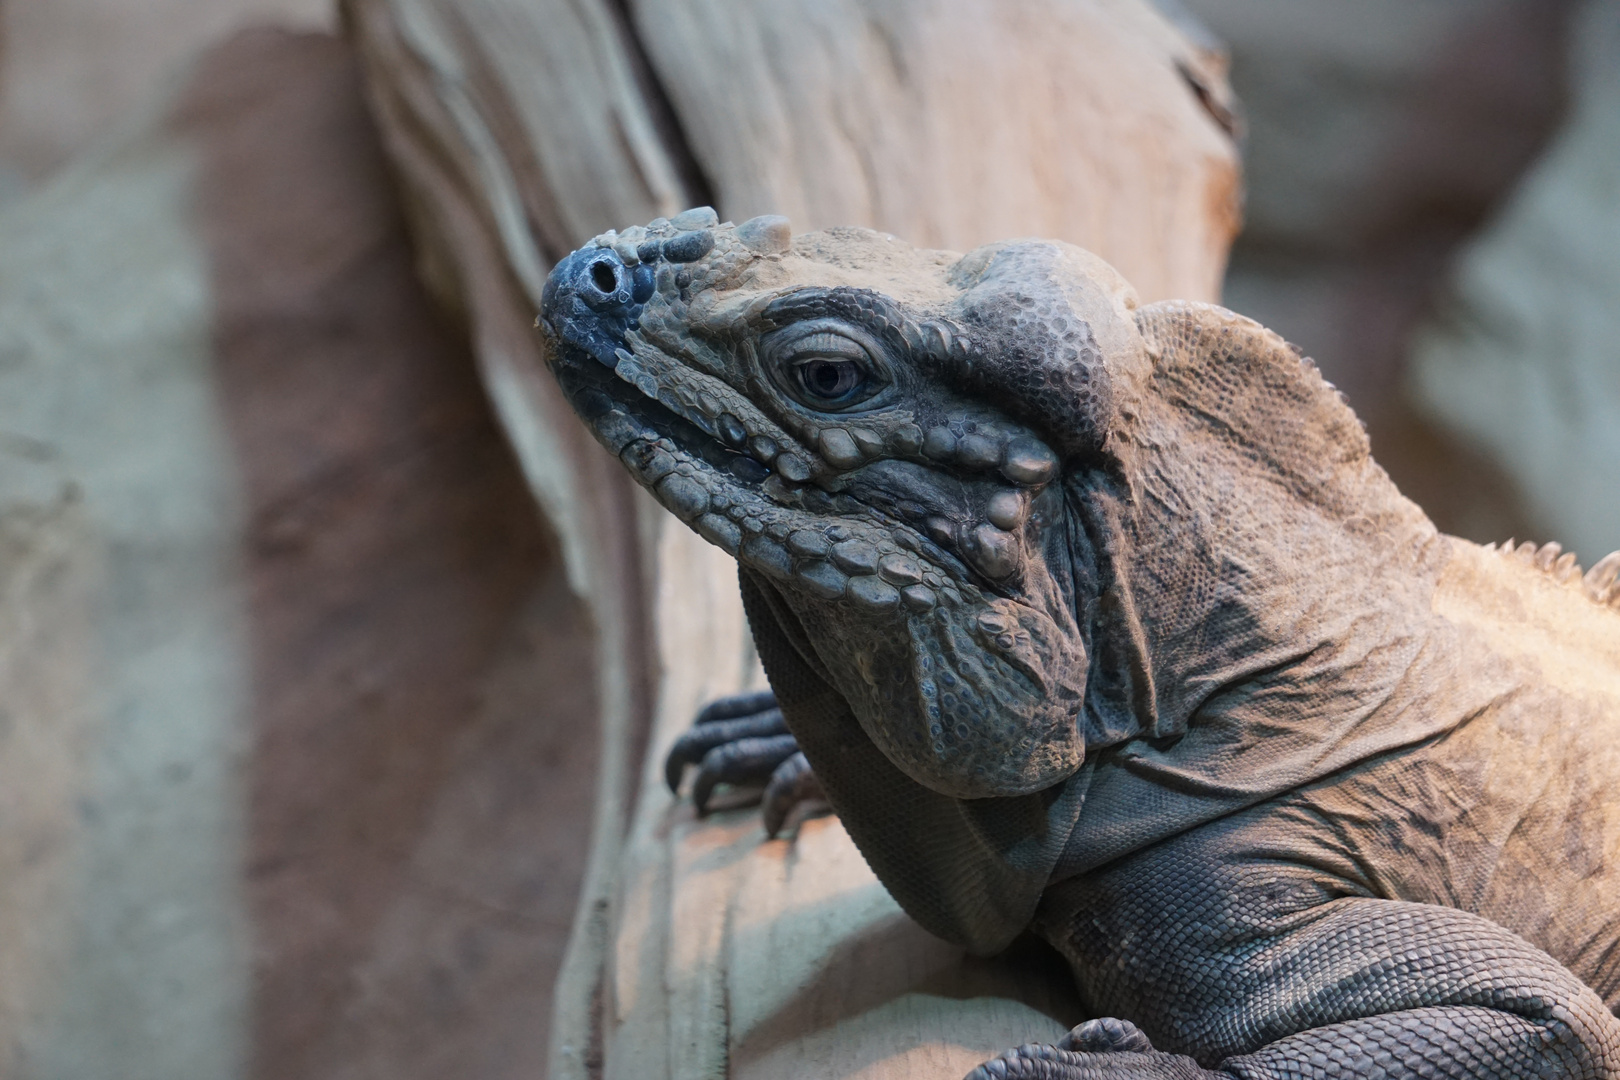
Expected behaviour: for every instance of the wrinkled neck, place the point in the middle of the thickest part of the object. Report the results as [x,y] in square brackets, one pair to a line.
[1209,566]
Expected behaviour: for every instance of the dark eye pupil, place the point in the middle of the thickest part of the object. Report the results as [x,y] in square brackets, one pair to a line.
[831,378]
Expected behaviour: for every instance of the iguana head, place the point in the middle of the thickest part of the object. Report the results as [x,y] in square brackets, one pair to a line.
[878,431]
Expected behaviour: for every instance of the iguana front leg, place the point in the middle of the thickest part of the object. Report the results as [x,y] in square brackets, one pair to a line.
[1256,966]
[743,740]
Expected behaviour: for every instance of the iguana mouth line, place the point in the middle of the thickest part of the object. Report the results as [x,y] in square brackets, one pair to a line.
[720,493]
[662,410]
[596,391]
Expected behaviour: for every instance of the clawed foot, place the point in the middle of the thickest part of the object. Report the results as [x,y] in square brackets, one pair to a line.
[1106,1035]
[1105,1049]
[743,741]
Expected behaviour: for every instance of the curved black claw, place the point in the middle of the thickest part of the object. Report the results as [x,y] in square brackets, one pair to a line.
[1106,1034]
[729,708]
[712,730]
[744,741]
[793,784]
[742,761]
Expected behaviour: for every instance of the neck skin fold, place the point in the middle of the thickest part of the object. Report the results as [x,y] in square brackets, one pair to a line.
[1256,598]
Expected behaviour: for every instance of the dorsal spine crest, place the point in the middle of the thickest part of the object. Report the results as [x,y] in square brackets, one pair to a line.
[1601,584]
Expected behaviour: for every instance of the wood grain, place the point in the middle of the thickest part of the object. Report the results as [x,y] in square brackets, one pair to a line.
[957,124]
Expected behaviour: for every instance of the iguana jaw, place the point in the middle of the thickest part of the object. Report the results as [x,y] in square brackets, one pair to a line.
[929,601]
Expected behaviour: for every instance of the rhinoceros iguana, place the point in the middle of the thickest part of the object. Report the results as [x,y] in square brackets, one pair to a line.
[1099,619]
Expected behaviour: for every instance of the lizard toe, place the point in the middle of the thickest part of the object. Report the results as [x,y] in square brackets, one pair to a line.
[722,722]
[793,784]
[1106,1034]
[743,761]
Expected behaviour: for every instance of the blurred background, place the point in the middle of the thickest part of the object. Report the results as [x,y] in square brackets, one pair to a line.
[297,727]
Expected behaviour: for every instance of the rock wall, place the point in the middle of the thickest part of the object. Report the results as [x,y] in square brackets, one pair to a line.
[1381,136]
[1522,357]
[298,729]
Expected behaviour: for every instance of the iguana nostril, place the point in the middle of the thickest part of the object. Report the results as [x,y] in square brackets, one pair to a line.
[605,277]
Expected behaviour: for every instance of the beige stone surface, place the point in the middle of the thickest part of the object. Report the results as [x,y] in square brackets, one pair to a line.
[1332,90]
[107,409]
[50,571]
[70,70]
[296,704]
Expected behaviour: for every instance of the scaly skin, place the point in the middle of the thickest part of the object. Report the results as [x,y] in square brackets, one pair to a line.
[1100,619]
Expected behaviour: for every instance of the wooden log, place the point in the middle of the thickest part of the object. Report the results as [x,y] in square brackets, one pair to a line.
[523,127]
[957,124]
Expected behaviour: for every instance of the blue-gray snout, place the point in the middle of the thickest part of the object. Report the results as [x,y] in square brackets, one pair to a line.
[592,298]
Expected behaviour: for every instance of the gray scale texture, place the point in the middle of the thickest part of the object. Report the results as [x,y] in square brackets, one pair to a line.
[1100,619]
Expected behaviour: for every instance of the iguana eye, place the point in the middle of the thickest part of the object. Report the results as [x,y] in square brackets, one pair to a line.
[831,381]
[825,367]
